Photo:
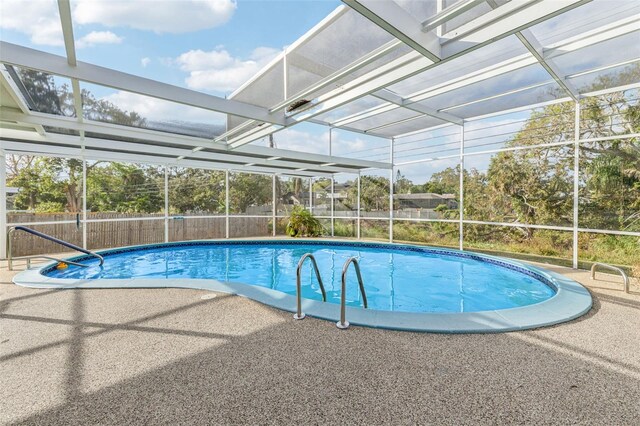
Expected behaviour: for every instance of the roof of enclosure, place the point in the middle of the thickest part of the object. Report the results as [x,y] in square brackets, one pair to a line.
[386,69]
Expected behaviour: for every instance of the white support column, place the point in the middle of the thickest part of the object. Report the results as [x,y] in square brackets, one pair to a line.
[391,191]
[333,195]
[461,203]
[311,195]
[358,206]
[166,203]
[274,205]
[3,205]
[333,201]
[84,203]
[576,183]
[226,203]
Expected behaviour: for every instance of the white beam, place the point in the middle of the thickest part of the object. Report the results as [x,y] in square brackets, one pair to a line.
[92,154]
[339,164]
[399,23]
[188,141]
[134,148]
[410,65]
[600,34]
[528,39]
[337,75]
[449,13]
[3,204]
[64,8]
[57,65]
[409,104]
[505,20]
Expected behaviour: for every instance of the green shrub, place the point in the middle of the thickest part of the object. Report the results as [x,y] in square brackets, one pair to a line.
[303,224]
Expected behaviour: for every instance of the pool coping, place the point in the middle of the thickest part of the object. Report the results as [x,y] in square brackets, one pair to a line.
[571,300]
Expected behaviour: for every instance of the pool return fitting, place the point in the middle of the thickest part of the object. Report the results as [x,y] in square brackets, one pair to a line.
[343,323]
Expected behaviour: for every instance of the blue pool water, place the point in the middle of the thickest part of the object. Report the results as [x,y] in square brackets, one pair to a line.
[396,278]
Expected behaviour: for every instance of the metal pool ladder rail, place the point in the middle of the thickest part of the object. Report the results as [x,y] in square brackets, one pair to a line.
[625,278]
[299,314]
[10,257]
[343,323]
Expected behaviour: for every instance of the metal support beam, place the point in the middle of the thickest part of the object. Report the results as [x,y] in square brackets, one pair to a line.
[503,21]
[358,207]
[411,64]
[57,65]
[446,15]
[461,190]
[64,8]
[408,104]
[576,183]
[84,203]
[275,205]
[399,23]
[3,204]
[226,203]
[391,189]
[166,203]
[535,47]
[246,154]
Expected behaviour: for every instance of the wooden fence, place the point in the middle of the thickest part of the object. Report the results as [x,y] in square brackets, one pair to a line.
[124,230]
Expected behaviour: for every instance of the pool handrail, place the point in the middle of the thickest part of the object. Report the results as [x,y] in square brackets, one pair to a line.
[625,278]
[299,314]
[343,323]
[10,257]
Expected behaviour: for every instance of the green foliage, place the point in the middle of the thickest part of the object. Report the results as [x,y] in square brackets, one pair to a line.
[196,191]
[49,207]
[303,224]
[246,189]
[125,188]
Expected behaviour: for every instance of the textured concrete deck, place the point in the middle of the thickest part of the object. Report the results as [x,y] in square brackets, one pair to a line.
[168,356]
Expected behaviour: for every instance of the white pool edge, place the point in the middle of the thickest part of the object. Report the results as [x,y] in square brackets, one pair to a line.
[571,300]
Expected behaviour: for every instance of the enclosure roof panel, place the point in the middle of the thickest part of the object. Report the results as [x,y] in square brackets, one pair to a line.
[384,69]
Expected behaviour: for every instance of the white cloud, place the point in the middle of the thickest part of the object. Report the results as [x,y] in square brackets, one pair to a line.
[161,16]
[98,37]
[160,110]
[39,19]
[316,142]
[217,70]
[145,61]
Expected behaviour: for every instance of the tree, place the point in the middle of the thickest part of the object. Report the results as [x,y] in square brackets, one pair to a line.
[126,188]
[196,191]
[402,185]
[248,189]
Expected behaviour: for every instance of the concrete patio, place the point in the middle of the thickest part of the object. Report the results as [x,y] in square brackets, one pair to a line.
[170,356]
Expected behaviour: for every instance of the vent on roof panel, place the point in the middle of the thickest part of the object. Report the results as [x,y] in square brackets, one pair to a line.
[297,104]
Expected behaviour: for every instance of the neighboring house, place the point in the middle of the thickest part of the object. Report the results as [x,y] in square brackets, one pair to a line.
[291,198]
[427,200]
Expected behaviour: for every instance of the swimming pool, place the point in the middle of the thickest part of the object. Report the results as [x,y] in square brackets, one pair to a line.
[407,287]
